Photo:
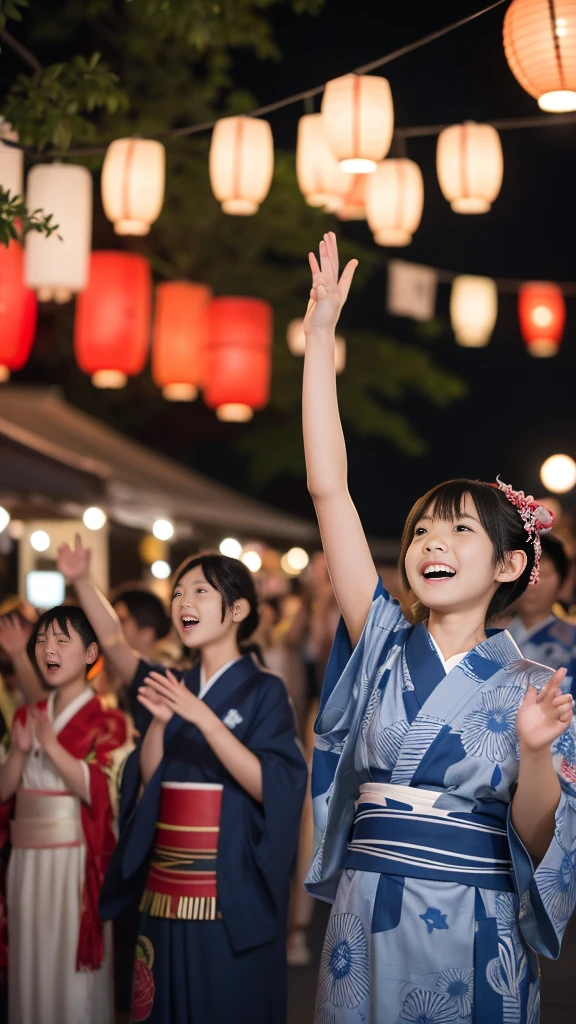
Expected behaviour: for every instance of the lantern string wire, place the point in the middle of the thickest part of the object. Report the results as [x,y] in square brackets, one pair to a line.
[505,285]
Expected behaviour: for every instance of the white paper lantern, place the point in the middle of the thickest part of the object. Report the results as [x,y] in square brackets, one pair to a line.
[133,176]
[241,163]
[354,205]
[473,310]
[320,179]
[11,162]
[295,337]
[57,267]
[470,166]
[540,47]
[358,116]
[394,201]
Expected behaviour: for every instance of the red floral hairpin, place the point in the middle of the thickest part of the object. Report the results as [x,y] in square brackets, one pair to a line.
[537,519]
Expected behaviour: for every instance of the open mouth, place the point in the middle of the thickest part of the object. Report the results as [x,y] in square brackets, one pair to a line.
[189,623]
[438,571]
[52,666]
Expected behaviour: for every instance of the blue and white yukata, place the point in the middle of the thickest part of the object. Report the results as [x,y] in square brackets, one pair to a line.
[551,642]
[438,912]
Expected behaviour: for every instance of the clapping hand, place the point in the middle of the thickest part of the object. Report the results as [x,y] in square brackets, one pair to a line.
[13,635]
[22,735]
[543,717]
[43,728]
[177,699]
[328,293]
[74,563]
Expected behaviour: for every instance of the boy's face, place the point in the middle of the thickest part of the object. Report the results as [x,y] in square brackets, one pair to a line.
[140,638]
[537,601]
[60,658]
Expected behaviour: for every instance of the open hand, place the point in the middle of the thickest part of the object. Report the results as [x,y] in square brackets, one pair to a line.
[43,727]
[154,703]
[328,294]
[22,735]
[13,635]
[177,697]
[74,563]
[543,717]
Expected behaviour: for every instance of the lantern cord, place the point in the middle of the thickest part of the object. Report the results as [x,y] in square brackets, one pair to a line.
[22,51]
[505,285]
[502,125]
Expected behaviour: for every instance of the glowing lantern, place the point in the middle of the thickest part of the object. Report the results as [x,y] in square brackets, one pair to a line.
[179,339]
[470,166]
[11,162]
[542,314]
[354,205]
[558,474]
[297,343]
[340,355]
[133,176]
[57,267]
[473,310]
[320,179]
[540,47]
[238,357]
[394,201]
[18,308]
[358,116]
[241,163]
[112,325]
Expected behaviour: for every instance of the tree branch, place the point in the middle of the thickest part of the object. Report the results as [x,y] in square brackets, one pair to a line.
[21,50]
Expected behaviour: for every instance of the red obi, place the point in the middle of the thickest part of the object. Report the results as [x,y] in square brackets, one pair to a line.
[182,875]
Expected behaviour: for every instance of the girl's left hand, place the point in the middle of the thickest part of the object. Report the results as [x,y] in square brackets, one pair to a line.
[543,717]
[178,698]
[43,728]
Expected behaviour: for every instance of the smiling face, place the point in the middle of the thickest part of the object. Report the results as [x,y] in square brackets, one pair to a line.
[450,562]
[197,611]
[62,659]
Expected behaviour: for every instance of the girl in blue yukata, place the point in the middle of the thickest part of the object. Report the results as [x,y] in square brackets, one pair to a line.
[444,779]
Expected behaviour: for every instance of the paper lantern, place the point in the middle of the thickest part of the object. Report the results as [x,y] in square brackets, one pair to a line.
[473,310]
[320,179]
[112,325]
[241,163]
[18,309]
[339,355]
[540,47]
[133,175]
[11,162]
[358,116]
[57,267]
[394,201]
[470,166]
[354,205]
[297,343]
[542,314]
[238,362]
[179,339]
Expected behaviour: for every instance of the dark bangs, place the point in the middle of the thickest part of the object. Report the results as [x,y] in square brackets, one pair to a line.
[232,580]
[66,618]
[499,519]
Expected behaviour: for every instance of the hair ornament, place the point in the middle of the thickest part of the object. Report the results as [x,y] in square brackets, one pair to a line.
[537,519]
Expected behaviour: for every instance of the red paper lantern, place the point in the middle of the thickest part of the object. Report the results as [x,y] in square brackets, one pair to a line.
[238,360]
[542,314]
[18,311]
[180,338]
[112,325]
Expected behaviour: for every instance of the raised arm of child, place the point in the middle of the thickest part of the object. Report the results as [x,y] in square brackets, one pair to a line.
[14,640]
[348,557]
[74,564]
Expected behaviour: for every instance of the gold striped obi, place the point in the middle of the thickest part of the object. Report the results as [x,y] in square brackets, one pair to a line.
[46,819]
[181,879]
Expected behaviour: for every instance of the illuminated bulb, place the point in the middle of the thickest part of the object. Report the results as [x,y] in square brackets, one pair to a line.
[94,518]
[40,540]
[4,518]
[234,412]
[558,474]
[179,392]
[163,529]
[295,337]
[231,547]
[542,316]
[252,560]
[161,570]
[4,374]
[297,559]
[113,379]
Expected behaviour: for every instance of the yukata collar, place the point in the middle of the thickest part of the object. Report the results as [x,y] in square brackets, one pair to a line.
[499,646]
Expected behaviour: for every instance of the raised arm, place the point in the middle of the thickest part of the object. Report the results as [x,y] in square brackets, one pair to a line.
[74,564]
[348,557]
[14,640]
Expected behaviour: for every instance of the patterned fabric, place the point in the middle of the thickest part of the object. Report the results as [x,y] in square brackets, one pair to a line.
[552,642]
[408,949]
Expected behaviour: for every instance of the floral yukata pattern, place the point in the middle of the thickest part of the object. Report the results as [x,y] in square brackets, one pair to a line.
[408,941]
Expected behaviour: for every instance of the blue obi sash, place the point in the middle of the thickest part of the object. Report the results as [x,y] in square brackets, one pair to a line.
[399,831]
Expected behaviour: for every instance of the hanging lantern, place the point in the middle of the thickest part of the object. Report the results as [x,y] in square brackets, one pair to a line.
[542,313]
[112,324]
[133,175]
[320,179]
[297,343]
[339,355]
[238,362]
[358,116]
[57,267]
[179,339]
[241,163]
[473,310]
[18,309]
[540,47]
[470,166]
[394,201]
[354,205]
[11,162]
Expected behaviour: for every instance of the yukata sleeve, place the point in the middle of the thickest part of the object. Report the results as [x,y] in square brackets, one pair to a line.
[547,893]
